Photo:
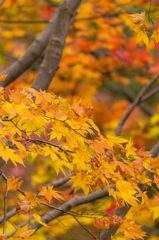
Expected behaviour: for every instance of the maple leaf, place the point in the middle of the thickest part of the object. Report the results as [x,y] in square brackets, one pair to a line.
[123,166]
[138,16]
[132,230]
[2,78]
[83,181]
[155,211]
[111,209]
[23,233]
[24,207]
[140,29]
[101,223]
[42,97]
[144,198]
[50,193]
[142,35]
[38,219]
[99,146]
[155,35]
[111,140]
[13,184]
[7,153]
[129,149]
[3,237]
[127,192]
[31,198]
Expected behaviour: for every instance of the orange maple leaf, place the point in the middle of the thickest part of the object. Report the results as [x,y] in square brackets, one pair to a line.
[13,184]
[101,223]
[49,193]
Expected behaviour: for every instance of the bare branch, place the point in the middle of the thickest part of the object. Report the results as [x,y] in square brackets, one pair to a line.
[61,181]
[83,227]
[34,51]
[1,2]
[5,210]
[135,103]
[150,94]
[155,150]
[24,22]
[74,202]
[131,96]
[48,68]
[10,214]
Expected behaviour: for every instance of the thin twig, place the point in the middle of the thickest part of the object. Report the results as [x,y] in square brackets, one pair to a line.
[150,94]
[74,202]
[15,230]
[5,210]
[54,145]
[24,22]
[83,226]
[131,96]
[134,104]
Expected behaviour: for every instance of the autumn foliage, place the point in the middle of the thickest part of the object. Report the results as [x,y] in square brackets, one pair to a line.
[65,97]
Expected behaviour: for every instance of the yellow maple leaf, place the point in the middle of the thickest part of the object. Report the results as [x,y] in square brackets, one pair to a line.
[13,184]
[140,29]
[7,153]
[38,219]
[23,233]
[111,140]
[142,36]
[155,211]
[155,35]
[83,181]
[129,149]
[127,192]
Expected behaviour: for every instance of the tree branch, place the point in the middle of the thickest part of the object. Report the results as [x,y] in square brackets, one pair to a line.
[134,104]
[74,202]
[48,68]
[61,181]
[1,2]
[131,96]
[34,51]
[5,210]
[150,94]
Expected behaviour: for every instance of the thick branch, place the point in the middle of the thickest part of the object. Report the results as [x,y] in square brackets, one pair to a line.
[61,181]
[106,234]
[34,51]
[1,2]
[48,68]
